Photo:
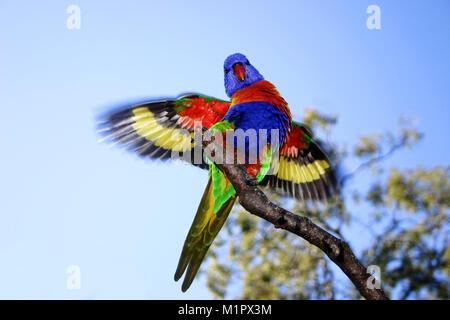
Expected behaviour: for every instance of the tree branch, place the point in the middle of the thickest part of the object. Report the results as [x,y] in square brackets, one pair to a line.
[373,160]
[256,202]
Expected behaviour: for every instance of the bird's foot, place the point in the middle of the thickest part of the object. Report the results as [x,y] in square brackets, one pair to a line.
[252,182]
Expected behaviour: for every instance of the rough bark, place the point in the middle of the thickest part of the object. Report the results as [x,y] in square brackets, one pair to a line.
[256,202]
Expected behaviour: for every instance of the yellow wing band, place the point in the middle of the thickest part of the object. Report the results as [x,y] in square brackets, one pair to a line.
[292,171]
[146,125]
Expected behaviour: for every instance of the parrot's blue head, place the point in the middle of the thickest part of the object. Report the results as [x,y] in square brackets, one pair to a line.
[239,73]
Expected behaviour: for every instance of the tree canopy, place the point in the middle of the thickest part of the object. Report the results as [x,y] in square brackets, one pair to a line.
[400,218]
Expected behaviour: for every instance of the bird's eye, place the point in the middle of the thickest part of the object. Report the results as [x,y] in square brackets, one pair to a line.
[227,70]
[247,62]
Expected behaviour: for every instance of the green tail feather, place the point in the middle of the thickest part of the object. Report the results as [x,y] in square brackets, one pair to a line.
[222,188]
[207,223]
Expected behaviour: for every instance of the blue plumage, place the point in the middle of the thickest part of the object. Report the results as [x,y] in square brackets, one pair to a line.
[233,84]
[258,116]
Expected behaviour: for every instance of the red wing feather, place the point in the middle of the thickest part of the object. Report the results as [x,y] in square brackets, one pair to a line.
[304,171]
[156,129]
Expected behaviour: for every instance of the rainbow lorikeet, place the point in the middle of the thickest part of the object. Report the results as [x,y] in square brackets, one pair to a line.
[156,129]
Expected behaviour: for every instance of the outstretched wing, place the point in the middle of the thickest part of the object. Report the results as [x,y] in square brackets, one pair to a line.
[304,171]
[155,129]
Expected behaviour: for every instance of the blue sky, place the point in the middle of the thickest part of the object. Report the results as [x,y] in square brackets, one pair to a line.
[66,199]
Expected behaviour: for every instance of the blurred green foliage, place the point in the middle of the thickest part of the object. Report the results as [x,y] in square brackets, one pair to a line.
[402,220]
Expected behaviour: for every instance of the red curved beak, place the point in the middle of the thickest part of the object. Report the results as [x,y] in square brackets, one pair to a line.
[239,71]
